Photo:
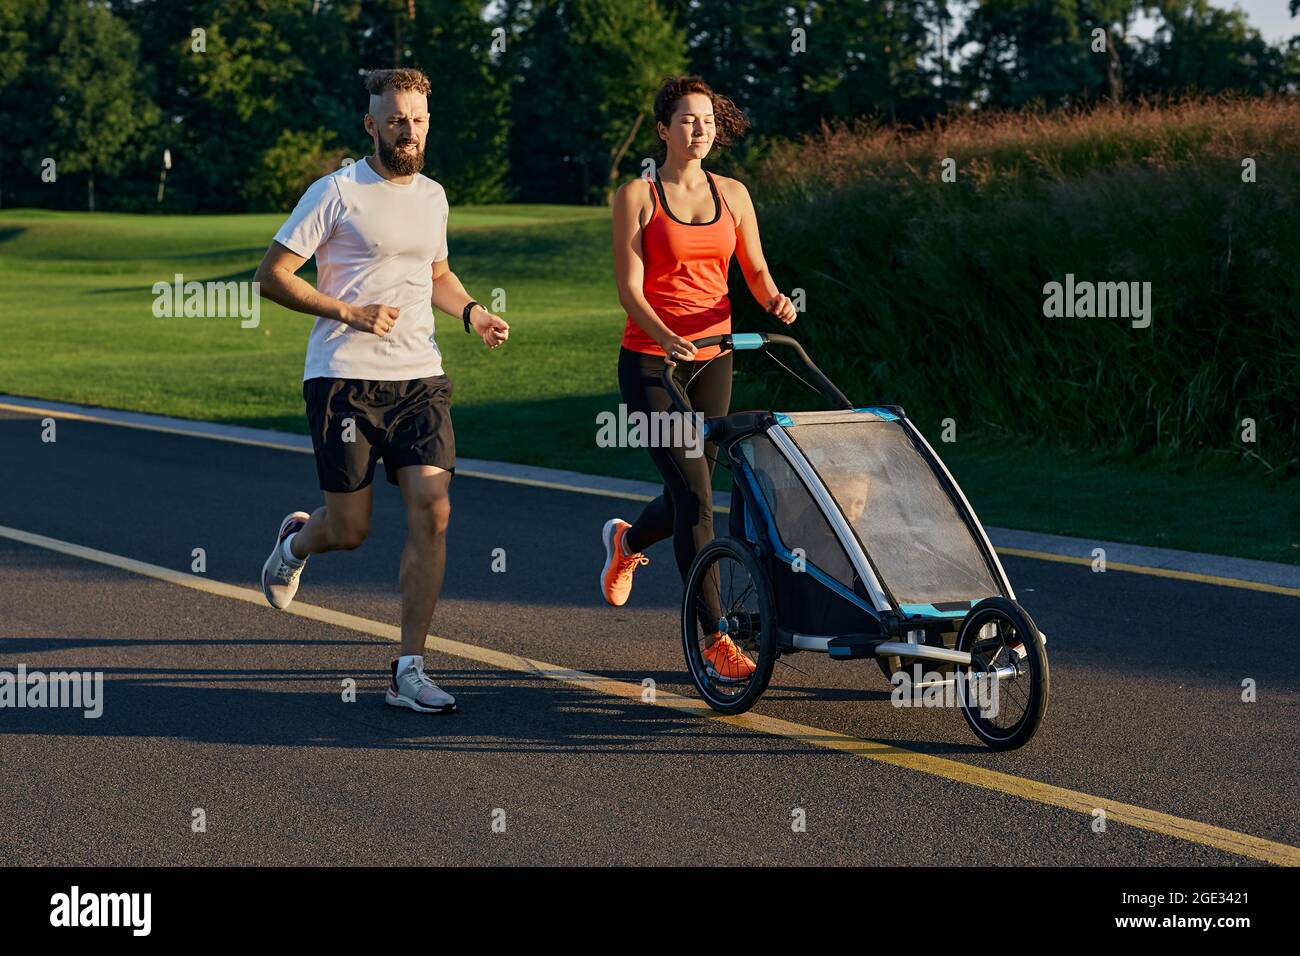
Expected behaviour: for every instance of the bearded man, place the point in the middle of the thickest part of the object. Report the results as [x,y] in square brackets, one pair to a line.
[373,382]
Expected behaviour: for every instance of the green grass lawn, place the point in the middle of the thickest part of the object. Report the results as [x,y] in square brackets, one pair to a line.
[76,303]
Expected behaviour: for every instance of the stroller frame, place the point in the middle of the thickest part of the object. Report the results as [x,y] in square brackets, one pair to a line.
[892,632]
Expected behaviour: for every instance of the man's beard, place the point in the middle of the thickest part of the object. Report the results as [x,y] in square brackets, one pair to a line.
[399,162]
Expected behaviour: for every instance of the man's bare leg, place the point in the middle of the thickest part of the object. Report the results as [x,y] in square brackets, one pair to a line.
[426,493]
[340,525]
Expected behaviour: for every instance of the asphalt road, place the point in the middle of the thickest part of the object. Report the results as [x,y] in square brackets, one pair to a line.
[217,703]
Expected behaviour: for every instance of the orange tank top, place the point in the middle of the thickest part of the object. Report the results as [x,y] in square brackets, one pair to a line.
[685,274]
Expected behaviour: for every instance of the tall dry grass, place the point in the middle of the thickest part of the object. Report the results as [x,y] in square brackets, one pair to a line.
[930,293]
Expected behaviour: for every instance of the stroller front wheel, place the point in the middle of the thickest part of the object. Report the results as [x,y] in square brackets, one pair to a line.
[728,598]
[1003,691]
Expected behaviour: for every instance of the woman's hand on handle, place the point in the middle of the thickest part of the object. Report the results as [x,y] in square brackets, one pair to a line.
[676,349]
[781,307]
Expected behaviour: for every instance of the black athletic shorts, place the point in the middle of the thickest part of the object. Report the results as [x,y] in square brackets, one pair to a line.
[405,423]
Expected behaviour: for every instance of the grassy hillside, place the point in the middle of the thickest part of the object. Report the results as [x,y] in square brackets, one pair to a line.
[76,309]
[933,291]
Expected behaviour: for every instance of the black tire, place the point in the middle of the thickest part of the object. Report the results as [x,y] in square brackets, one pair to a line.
[888,665]
[1012,627]
[751,619]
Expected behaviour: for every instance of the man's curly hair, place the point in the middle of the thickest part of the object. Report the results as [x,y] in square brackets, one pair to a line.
[405,80]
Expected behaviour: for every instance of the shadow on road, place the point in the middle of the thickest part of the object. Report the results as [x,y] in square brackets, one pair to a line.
[500,713]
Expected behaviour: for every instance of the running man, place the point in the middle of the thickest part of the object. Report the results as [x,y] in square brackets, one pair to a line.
[373,384]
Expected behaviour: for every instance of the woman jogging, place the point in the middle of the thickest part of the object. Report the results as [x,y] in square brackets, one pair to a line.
[673,242]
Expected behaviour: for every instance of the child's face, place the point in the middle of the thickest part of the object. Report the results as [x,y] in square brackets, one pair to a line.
[851,491]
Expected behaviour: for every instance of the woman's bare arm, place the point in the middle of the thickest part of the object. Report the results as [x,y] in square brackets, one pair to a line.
[749,253]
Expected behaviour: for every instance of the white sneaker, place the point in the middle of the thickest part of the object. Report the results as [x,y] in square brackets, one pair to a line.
[412,688]
[279,577]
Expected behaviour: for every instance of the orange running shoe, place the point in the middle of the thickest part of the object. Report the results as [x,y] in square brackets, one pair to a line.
[616,576]
[725,661]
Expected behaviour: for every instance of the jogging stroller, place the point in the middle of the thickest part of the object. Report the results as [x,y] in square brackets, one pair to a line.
[848,536]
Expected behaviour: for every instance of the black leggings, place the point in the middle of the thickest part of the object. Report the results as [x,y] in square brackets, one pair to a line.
[684,511]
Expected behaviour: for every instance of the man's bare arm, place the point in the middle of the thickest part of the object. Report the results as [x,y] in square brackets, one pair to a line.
[450,296]
[278,279]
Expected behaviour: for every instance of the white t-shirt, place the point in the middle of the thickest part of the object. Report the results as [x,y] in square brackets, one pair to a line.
[375,243]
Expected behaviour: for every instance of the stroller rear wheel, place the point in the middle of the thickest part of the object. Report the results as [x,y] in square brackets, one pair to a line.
[728,598]
[1003,692]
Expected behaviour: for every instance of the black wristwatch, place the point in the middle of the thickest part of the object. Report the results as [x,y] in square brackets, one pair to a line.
[465,315]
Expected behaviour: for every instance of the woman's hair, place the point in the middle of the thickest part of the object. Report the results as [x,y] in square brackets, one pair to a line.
[729,123]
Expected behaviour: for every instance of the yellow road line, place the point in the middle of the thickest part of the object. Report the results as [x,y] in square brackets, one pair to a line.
[1156,572]
[633,496]
[1219,838]
[146,427]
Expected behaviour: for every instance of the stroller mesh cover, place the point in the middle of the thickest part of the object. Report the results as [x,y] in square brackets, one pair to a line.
[799,521]
[907,524]
[803,605]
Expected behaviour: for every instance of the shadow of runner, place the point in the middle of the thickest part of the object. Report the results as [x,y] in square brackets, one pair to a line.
[15,648]
[499,713]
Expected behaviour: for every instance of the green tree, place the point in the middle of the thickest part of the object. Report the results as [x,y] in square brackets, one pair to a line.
[1029,51]
[14,42]
[1115,17]
[585,73]
[73,89]
[16,93]
[1199,48]
[283,172]
[254,70]
[271,73]
[1043,50]
[791,66]
[469,112]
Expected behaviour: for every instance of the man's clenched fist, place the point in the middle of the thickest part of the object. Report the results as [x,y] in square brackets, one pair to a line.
[378,319]
[492,328]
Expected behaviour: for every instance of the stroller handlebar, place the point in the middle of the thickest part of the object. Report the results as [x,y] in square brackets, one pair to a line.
[755,341]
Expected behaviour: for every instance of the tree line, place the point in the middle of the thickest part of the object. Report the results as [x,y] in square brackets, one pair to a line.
[543,100]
